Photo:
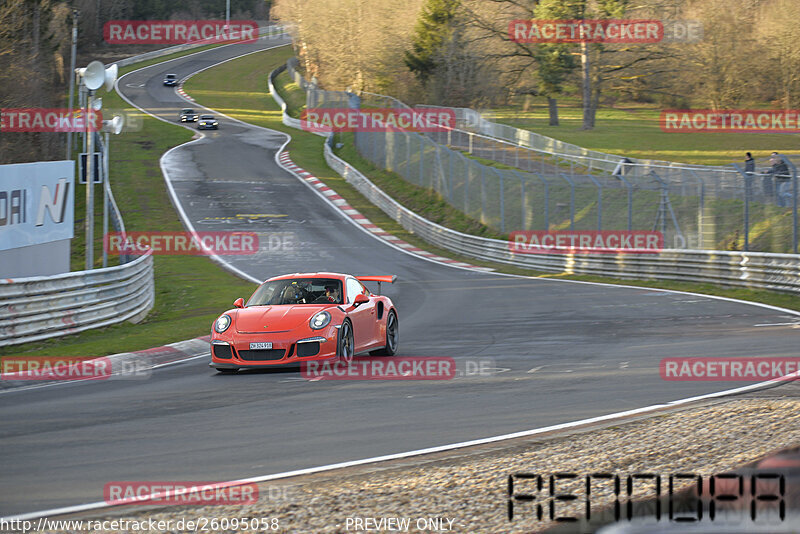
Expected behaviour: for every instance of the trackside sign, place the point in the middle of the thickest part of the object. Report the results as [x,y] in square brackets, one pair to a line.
[36,203]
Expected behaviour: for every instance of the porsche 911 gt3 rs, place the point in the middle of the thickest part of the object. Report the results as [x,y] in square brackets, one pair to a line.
[298,317]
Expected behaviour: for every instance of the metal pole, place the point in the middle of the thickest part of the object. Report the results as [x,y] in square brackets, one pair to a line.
[746,206]
[72,74]
[105,201]
[483,194]
[502,202]
[89,184]
[571,200]
[793,170]
[227,13]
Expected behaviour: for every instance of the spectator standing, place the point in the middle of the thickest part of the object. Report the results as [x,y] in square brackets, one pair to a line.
[782,180]
[749,164]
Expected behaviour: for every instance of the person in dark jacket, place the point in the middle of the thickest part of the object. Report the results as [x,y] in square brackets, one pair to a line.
[780,172]
[749,164]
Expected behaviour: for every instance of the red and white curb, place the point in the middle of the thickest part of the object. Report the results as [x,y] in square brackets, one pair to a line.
[183,93]
[141,360]
[365,223]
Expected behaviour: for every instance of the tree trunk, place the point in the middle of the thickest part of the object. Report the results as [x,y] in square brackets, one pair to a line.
[588,115]
[553,106]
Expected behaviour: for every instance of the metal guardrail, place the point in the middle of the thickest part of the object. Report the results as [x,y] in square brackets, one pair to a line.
[754,270]
[42,307]
[285,118]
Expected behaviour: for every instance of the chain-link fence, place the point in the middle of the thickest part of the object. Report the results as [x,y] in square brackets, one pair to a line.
[508,184]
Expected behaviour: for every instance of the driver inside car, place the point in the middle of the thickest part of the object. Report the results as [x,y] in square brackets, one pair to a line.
[332,294]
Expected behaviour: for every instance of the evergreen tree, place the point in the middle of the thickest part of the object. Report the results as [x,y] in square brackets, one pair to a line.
[432,31]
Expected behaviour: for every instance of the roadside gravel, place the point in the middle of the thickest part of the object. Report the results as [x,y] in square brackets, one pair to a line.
[466,491]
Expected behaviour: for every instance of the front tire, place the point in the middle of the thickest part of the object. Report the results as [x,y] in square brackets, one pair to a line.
[392,337]
[345,348]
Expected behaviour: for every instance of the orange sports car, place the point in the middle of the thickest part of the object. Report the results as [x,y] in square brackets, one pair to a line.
[300,317]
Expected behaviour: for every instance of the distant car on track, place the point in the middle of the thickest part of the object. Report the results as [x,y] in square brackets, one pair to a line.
[207,122]
[187,115]
[171,80]
[298,317]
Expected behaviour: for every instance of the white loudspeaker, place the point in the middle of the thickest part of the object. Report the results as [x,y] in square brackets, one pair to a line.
[114,125]
[94,75]
[111,76]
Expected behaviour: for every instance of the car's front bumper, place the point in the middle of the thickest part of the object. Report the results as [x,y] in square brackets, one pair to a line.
[234,352]
[207,126]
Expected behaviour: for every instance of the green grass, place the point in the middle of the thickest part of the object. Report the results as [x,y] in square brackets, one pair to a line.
[291,93]
[633,130]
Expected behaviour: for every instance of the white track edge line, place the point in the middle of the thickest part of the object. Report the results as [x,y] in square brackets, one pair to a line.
[418,452]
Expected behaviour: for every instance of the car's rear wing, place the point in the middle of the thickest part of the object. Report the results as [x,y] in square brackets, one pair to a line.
[389,279]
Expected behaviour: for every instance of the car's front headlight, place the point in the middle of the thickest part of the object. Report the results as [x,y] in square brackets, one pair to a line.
[222,324]
[320,320]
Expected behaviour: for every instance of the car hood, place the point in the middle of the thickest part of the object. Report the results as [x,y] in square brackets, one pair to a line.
[263,319]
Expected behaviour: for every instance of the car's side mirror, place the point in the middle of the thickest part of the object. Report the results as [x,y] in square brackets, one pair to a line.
[360,299]
[239,303]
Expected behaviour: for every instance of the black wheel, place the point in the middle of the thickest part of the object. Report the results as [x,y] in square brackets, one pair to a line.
[346,347]
[226,371]
[392,336]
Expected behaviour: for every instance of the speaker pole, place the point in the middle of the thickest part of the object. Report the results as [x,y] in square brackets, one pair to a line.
[90,183]
[105,200]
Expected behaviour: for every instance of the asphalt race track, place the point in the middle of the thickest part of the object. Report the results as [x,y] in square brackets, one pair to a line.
[561,351]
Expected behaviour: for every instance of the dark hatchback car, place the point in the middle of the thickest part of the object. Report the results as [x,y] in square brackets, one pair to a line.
[187,115]
[171,80]
[207,122]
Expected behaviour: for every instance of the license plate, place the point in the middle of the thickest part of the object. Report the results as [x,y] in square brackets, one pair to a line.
[260,345]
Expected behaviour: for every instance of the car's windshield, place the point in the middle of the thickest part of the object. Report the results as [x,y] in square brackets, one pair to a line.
[207,117]
[298,291]
[187,110]
[170,76]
